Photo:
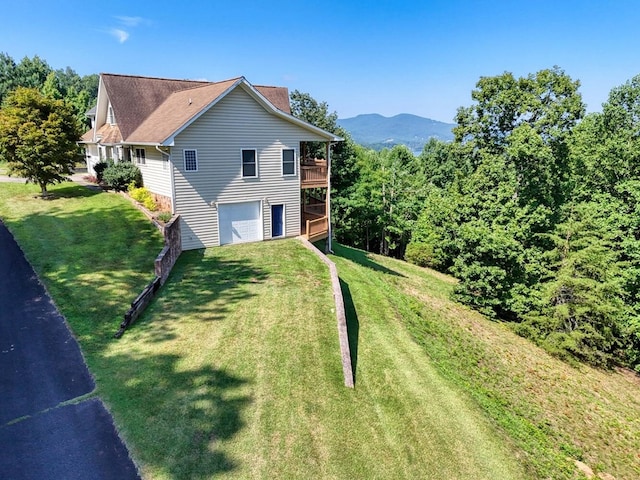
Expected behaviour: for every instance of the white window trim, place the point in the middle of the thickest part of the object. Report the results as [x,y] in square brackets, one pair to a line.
[295,156]
[255,150]
[137,158]
[111,118]
[184,159]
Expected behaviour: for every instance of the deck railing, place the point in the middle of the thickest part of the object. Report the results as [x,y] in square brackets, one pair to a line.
[316,209]
[317,229]
[313,173]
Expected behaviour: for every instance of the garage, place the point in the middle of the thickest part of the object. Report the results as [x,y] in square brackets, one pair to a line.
[239,222]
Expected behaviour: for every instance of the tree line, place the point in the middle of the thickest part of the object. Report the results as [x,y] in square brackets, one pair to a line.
[534,208]
[79,92]
[42,115]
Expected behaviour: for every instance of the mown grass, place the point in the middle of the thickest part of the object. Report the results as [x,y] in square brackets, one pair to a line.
[91,249]
[554,413]
[234,371]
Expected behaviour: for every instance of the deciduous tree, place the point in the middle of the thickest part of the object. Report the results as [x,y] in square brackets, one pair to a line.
[38,137]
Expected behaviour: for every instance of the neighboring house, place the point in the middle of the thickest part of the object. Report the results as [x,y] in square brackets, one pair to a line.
[228,157]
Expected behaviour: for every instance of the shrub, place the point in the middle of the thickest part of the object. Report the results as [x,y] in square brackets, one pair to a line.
[142,195]
[420,254]
[164,217]
[100,167]
[119,175]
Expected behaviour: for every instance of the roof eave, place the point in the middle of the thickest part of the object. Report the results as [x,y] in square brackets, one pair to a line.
[286,116]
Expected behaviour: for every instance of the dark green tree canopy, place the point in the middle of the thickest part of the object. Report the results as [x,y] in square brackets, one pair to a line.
[38,136]
[80,92]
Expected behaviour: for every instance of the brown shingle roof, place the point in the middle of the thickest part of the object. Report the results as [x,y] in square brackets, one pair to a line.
[149,110]
[278,96]
[109,134]
[135,98]
[87,137]
[176,110]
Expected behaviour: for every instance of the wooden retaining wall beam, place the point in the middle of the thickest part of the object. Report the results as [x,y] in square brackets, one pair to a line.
[341,316]
[138,305]
[164,262]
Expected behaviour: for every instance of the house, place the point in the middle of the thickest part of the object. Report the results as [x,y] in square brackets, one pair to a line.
[228,157]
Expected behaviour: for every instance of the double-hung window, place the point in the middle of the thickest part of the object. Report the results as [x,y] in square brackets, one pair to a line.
[249,163]
[288,161]
[190,160]
[141,156]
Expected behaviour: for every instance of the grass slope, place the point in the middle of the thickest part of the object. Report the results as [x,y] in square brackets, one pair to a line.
[242,351]
[234,372]
[554,413]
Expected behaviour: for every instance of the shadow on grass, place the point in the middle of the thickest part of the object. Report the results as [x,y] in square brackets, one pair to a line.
[95,253]
[202,286]
[198,409]
[67,190]
[353,326]
[362,258]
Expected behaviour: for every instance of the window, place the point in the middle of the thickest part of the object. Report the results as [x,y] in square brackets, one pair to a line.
[190,161]
[288,162]
[111,119]
[140,156]
[249,163]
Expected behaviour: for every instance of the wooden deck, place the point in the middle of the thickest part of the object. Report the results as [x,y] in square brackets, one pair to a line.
[314,174]
[314,227]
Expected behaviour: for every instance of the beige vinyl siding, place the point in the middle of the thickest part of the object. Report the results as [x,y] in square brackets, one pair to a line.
[219,135]
[156,173]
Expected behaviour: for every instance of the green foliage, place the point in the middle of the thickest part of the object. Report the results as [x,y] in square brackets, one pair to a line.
[344,171]
[441,164]
[142,195]
[420,254]
[384,204]
[164,216]
[119,175]
[79,92]
[100,167]
[583,307]
[38,137]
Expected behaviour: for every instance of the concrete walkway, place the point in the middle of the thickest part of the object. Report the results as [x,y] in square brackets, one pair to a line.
[52,425]
[77,177]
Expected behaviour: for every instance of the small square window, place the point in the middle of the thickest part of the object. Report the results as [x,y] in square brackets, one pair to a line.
[288,162]
[141,156]
[249,163]
[190,160]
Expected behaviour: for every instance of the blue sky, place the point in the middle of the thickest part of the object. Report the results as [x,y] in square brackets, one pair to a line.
[387,57]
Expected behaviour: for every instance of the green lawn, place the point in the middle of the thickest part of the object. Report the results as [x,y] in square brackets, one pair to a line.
[234,372]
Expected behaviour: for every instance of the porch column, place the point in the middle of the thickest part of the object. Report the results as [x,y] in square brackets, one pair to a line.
[328,244]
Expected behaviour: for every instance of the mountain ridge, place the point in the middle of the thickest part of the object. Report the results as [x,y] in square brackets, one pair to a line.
[377,131]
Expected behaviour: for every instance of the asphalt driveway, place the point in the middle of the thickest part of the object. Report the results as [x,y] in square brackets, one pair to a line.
[49,429]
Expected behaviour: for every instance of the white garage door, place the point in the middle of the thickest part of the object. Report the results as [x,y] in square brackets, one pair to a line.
[239,222]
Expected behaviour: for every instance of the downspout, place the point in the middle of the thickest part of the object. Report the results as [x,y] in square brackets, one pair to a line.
[173,210]
[329,246]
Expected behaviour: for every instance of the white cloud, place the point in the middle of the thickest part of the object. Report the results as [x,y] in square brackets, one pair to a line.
[120,35]
[125,24]
[130,21]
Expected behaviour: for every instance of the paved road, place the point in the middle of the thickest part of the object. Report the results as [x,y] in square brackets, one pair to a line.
[44,432]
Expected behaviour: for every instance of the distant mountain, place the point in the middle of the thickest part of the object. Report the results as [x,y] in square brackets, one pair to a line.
[377,132]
